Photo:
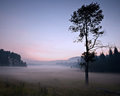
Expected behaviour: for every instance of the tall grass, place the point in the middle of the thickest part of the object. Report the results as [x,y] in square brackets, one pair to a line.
[19,88]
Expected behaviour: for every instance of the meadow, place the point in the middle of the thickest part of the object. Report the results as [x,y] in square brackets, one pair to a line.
[49,80]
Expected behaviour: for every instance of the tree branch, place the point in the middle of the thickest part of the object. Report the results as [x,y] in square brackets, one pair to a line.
[94,42]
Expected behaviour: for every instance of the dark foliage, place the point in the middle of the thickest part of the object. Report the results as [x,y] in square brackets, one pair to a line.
[108,63]
[8,58]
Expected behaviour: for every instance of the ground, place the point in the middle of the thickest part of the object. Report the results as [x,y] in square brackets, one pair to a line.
[56,81]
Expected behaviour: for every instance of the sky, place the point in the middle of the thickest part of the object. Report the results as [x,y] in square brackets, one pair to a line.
[39,29]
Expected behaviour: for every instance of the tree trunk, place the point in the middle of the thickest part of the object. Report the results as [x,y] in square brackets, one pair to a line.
[86,74]
[87,52]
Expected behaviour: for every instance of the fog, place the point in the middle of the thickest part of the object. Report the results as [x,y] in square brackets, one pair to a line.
[55,75]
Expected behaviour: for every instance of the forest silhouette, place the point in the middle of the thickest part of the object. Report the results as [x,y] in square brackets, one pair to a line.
[8,58]
[106,63]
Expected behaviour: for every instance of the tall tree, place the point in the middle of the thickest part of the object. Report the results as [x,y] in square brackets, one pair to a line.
[116,52]
[110,53]
[86,20]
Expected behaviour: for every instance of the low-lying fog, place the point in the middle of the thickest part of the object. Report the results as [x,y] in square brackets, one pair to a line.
[55,74]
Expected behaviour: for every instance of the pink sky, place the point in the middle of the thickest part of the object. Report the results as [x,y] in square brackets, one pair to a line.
[38,30]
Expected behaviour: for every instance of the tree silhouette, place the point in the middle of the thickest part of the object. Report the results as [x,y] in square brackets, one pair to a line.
[8,58]
[86,20]
[116,53]
[107,63]
[110,52]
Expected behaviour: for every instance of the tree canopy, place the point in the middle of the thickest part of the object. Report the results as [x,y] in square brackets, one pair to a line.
[86,20]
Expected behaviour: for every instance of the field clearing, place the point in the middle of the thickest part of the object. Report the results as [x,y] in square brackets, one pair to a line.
[62,79]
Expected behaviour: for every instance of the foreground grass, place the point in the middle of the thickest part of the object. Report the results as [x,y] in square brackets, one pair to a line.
[18,88]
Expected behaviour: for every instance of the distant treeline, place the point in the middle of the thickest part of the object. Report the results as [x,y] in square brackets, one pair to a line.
[106,63]
[8,58]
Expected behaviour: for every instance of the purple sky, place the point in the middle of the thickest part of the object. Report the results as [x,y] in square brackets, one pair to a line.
[38,29]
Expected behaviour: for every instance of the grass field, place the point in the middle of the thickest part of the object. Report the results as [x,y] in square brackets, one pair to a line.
[56,81]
